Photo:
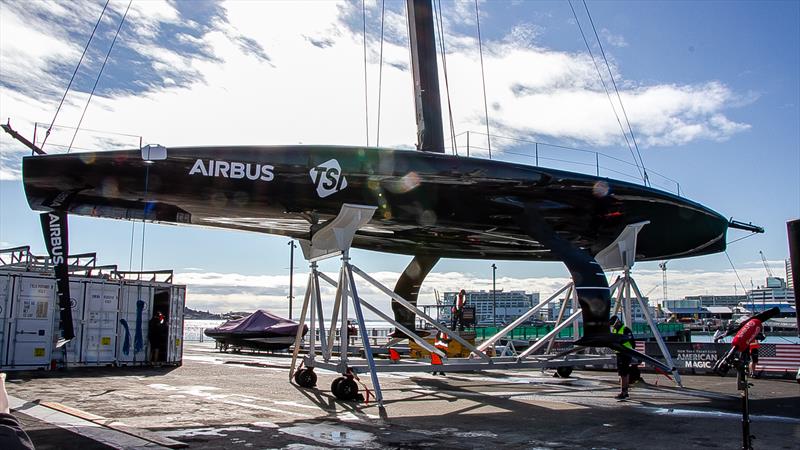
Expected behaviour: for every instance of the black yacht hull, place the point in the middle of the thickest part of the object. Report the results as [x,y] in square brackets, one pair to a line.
[428,203]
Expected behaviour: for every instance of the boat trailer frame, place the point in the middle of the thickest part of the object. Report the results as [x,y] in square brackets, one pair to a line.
[335,238]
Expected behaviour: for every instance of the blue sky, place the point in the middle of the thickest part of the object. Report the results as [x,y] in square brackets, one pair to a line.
[711,90]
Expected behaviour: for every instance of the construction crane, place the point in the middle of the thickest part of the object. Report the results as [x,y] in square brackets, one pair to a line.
[663,266]
[766,266]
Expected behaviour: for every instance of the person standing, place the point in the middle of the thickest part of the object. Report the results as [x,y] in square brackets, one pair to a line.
[157,334]
[623,360]
[754,346]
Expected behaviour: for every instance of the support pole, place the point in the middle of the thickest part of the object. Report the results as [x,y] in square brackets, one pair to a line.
[500,334]
[298,338]
[312,341]
[420,313]
[657,334]
[422,342]
[336,303]
[323,338]
[344,338]
[560,316]
[291,276]
[576,329]
[363,329]
[549,336]
[626,301]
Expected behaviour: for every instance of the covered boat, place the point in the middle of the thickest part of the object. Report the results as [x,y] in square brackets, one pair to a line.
[261,330]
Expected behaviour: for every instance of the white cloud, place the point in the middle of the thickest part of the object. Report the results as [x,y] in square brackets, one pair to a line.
[614,40]
[222,292]
[276,80]
[27,48]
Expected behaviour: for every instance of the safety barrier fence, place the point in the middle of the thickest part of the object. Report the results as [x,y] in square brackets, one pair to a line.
[380,335]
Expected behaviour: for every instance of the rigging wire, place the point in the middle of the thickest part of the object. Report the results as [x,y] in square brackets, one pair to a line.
[483,79]
[380,75]
[130,255]
[741,238]
[99,74]
[605,87]
[85,48]
[144,212]
[440,26]
[734,271]
[622,106]
[366,94]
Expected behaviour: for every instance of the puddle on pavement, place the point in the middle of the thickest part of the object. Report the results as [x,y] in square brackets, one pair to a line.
[720,415]
[331,434]
[300,447]
[206,431]
[474,434]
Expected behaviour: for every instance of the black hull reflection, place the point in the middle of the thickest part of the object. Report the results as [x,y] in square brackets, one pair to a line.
[428,204]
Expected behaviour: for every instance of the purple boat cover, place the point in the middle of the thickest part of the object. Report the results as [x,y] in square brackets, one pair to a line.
[259,321]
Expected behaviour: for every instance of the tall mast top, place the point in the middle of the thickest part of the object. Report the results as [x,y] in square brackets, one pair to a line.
[430,135]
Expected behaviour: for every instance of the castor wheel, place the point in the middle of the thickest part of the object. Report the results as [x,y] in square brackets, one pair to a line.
[305,377]
[335,384]
[344,388]
[563,371]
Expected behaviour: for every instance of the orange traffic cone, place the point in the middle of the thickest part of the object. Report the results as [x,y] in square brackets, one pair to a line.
[393,355]
[436,360]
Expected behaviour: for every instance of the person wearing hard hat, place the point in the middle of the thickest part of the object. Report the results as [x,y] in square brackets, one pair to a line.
[623,360]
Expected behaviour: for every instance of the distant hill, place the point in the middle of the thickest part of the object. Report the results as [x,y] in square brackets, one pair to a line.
[189,313]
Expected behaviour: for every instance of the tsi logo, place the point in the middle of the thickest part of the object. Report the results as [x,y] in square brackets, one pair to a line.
[328,178]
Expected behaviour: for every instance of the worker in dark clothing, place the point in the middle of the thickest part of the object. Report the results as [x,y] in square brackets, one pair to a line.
[623,360]
[157,335]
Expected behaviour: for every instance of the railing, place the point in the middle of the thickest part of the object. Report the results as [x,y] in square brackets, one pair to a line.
[64,139]
[380,335]
[468,143]
[535,332]
[553,156]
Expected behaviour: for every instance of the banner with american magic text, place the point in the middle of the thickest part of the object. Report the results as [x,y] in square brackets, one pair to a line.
[54,229]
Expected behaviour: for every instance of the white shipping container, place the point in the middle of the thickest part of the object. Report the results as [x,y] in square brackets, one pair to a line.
[99,343]
[30,336]
[135,309]
[76,300]
[105,313]
[6,291]
[175,339]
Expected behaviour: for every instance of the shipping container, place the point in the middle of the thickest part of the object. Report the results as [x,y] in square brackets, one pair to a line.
[99,343]
[135,310]
[6,291]
[110,314]
[30,338]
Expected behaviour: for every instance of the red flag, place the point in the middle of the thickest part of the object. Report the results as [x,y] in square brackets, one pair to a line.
[393,355]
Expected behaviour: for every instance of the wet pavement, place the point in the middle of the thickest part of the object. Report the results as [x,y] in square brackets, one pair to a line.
[220,400]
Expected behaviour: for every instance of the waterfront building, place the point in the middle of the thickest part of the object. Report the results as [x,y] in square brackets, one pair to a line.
[718,300]
[510,305]
[636,311]
[775,291]
[684,309]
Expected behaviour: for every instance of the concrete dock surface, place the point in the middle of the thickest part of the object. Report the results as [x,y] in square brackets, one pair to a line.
[223,400]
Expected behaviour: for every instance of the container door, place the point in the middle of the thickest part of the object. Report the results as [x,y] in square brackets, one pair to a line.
[175,343]
[100,327]
[76,300]
[136,303]
[31,333]
[6,291]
